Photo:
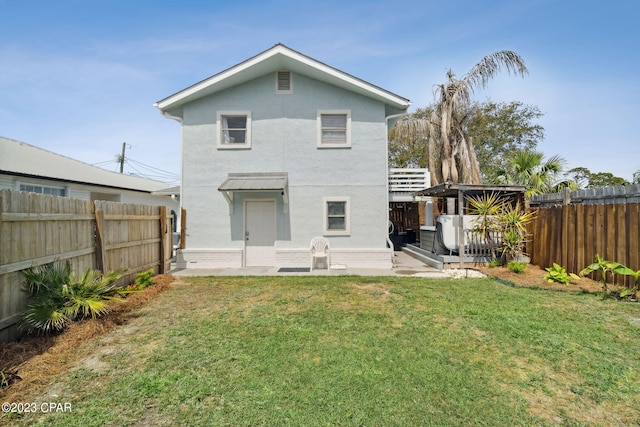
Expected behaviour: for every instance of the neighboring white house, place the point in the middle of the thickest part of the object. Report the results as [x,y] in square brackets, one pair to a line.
[25,167]
[277,150]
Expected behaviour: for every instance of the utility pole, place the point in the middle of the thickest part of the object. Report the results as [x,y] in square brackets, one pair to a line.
[124,145]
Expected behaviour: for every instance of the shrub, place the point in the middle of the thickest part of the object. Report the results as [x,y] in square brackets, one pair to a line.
[558,274]
[57,296]
[495,262]
[144,279]
[517,266]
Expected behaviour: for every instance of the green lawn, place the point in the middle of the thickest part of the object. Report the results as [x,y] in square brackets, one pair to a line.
[326,351]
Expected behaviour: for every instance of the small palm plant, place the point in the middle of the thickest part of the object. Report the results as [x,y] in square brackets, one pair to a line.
[57,296]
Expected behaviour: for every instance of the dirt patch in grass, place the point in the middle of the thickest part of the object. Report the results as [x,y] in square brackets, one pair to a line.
[533,277]
[376,290]
[38,359]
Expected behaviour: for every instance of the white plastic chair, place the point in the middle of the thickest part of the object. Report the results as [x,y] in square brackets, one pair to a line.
[320,249]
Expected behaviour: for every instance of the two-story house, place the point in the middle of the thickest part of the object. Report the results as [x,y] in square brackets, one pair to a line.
[277,150]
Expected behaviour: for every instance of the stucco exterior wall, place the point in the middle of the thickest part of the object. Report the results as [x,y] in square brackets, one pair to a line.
[284,139]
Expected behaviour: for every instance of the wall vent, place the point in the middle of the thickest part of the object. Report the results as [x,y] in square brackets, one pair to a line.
[283,83]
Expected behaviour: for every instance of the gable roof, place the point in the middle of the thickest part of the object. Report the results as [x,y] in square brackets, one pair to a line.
[277,58]
[21,159]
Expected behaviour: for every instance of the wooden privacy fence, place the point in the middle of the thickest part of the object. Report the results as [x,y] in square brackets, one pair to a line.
[37,229]
[572,234]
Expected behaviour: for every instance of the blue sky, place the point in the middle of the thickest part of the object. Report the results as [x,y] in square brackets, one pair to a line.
[80,77]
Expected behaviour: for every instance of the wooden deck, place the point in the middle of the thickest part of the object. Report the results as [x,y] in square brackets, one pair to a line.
[444,261]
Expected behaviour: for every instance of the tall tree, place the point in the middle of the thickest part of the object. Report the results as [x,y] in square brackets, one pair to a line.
[409,149]
[587,179]
[537,175]
[500,129]
[580,176]
[450,152]
[497,130]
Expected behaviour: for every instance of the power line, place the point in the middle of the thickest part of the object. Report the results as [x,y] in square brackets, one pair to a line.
[141,169]
[102,163]
[157,171]
[163,176]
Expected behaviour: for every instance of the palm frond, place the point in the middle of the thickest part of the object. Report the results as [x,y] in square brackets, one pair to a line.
[492,64]
[43,317]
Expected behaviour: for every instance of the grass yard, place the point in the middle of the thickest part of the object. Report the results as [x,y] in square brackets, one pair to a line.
[307,351]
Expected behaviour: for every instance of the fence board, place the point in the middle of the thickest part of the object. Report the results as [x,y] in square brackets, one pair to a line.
[37,229]
[580,257]
[632,230]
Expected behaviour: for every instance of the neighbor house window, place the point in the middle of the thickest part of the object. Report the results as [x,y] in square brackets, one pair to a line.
[43,189]
[283,82]
[234,130]
[334,129]
[336,216]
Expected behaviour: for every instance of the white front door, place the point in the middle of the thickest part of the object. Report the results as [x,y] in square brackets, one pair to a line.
[260,233]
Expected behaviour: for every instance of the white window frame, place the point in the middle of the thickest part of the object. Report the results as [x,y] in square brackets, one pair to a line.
[347,216]
[43,189]
[347,143]
[278,90]
[247,137]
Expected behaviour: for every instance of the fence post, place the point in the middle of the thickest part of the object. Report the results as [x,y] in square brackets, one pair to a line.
[183,228]
[101,258]
[163,239]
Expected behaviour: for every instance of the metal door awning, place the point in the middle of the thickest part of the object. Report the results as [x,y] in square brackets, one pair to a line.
[255,182]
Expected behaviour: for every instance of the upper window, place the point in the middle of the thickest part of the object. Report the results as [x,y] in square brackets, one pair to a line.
[336,216]
[283,82]
[334,129]
[234,130]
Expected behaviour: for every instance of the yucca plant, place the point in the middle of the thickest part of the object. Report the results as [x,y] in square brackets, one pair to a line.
[496,216]
[57,296]
[486,207]
[513,222]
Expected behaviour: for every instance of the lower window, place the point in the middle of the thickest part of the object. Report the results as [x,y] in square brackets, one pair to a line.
[336,216]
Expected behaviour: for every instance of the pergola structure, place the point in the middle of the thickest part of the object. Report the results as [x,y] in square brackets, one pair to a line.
[459,193]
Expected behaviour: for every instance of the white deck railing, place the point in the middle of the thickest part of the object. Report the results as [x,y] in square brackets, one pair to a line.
[403,182]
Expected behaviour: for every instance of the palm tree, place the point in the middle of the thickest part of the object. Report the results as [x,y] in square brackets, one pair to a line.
[452,157]
[539,176]
[57,295]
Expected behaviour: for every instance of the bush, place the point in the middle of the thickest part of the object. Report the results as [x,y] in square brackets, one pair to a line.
[517,266]
[144,279]
[558,274]
[495,262]
[57,296]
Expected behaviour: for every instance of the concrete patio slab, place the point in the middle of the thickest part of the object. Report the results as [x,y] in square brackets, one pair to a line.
[404,266]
